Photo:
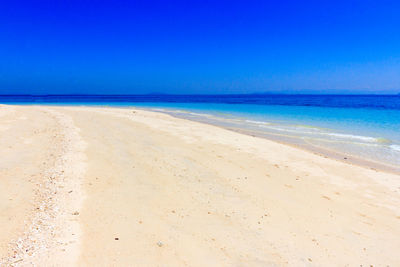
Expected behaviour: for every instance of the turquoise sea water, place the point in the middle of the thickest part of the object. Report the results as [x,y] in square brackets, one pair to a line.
[364,133]
[367,127]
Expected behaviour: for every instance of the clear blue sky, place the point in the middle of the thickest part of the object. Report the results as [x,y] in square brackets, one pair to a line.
[128,47]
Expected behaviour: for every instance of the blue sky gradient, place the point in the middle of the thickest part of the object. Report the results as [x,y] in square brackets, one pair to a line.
[206,47]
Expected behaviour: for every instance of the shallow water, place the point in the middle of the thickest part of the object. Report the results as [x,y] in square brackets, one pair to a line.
[371,135]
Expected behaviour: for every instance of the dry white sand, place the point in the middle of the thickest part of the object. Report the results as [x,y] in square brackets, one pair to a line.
[124,187]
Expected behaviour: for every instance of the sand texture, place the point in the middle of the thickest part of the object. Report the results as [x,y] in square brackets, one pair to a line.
[92,186]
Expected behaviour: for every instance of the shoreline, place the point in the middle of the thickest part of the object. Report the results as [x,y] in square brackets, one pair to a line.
[323,152]
[326,153]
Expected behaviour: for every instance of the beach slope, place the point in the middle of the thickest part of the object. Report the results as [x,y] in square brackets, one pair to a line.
[138,188]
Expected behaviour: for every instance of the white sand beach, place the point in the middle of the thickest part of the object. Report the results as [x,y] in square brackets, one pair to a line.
[94,186]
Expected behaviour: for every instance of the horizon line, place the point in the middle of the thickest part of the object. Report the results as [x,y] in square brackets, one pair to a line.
[228,94]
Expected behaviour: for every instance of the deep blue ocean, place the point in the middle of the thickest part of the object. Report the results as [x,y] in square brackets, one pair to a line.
[365,126]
